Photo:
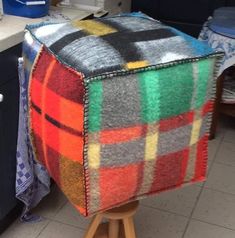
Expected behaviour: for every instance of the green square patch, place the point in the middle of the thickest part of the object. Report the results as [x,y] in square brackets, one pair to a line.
[95,106]
[176,89]
[205,70]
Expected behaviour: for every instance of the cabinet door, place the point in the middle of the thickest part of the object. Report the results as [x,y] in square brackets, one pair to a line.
[188,11]
[8,139]
[148,7]
[8,63]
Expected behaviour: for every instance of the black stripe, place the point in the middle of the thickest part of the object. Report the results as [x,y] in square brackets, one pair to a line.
[36,108]
[117,26]
[147,35]
[56,123]
[123,42]
[66,40]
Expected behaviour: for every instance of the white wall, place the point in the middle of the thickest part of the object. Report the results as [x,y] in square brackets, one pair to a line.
[85,2]
[110,5]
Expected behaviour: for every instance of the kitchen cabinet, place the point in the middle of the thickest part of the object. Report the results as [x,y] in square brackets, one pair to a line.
[11,37]
[9,109]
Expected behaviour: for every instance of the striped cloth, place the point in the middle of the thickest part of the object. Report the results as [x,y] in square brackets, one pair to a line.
[119,108]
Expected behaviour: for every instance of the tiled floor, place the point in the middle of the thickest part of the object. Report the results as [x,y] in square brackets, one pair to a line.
[204,210]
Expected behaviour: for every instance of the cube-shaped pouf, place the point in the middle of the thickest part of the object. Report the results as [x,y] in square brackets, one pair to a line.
[119,107]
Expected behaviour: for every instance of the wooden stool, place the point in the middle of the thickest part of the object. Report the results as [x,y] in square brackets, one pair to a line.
[120,224]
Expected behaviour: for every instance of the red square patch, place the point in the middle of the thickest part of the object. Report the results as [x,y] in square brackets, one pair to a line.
[125,180]
[170,170]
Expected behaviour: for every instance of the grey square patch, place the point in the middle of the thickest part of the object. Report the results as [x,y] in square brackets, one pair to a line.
[123,153]
[164,50]
[136,23]
[174,140]
[91,54]
[121,102]
[51,33]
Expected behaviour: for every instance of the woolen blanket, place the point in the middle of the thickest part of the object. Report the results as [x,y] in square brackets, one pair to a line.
[119,108]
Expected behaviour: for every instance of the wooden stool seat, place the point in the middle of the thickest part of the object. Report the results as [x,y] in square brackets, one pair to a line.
[120,223]
[122,212]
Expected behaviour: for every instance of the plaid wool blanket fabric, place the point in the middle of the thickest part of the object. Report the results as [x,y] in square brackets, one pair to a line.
[119,108]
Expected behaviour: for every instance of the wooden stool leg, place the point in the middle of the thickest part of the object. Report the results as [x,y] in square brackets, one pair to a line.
[129,227]
[93,226]
[113,228]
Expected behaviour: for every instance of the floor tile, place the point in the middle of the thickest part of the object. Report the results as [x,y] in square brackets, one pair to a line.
[199,229]
[58,230]
[225,123]
[24,230]
[151,223]
[226,153]
[51,204]
[216,208]
[200,184]
[230,135]
[209,164]
[180,201]
[221,130]
[213,148]
[69,215]
[222,178]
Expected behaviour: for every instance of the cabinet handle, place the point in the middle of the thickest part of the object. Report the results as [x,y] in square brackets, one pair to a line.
[1,97]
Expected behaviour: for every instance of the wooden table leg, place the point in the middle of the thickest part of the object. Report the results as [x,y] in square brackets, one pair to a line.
[215,115]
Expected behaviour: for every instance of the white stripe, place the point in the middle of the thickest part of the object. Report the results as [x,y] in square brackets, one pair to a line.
[30,3]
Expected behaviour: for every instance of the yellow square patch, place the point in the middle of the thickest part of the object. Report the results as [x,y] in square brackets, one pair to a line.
[195,131]
[94,27]
[94,156]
